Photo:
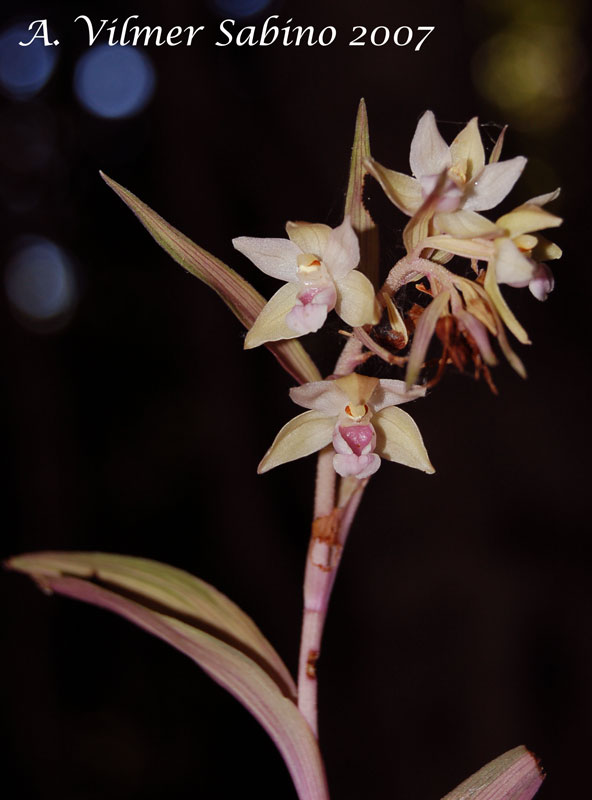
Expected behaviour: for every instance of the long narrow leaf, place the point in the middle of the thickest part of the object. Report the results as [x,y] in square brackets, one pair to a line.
[354,203]
[171,591]
[228,664]
[515,775]
[242,299]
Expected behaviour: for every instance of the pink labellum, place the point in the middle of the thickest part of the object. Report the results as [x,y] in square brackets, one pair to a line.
[542,283]
[360,438]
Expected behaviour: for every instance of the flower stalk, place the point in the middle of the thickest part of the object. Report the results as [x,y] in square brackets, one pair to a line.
[330,528]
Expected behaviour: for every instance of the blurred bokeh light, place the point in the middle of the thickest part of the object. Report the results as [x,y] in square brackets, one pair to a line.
[532,63]
[24,71]
[531,73]
[114,82]
[41,284]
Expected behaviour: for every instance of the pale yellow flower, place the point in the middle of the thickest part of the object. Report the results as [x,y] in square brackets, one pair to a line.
[318,264]
[512,246]
[470,183]
[359,415]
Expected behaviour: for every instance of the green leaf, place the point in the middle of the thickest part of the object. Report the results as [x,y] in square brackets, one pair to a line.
[238,294]
[201,622]
[515,775]
[354,204]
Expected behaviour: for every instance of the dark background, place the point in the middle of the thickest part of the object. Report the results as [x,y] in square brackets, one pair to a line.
[460,625]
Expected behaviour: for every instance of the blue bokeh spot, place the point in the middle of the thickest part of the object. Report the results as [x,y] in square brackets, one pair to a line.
[40,281]
[24,70]
[114,82]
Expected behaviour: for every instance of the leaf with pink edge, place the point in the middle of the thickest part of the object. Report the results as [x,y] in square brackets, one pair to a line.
[202,623]
[354,203]
[242,299]
[515,775]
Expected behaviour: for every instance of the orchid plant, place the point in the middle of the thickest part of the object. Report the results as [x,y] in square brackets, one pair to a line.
[352,418]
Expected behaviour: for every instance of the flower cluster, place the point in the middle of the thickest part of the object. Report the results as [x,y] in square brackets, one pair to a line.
[449,187]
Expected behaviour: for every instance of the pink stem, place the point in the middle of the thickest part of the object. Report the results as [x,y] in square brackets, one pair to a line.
[330,528]
[331,525]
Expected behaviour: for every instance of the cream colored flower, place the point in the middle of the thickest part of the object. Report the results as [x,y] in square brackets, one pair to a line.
[359,415]
[512,246]
[318,264]
[470,183]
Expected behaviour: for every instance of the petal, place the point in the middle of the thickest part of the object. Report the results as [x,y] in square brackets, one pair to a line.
[491,286]
[429,152]
[423,334]
[390,392]
[275,257]
[325,396]
[449,193]
[341,254]
[444,195]
[478,305]
[465,224]
[402,190]
[270,325]
[543,199]
[528,218]
[468,248]
[396,322]
[495,154]
[356,303]
[525,242]
[511,265]
[467,150]
[309,237]
[303,435]
[357,388]
[398,439]
[546,250]
[494,296]
[490,187]
[478,331]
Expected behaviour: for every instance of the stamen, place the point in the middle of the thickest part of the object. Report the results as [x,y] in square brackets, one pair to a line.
[308,263]
[356,412]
